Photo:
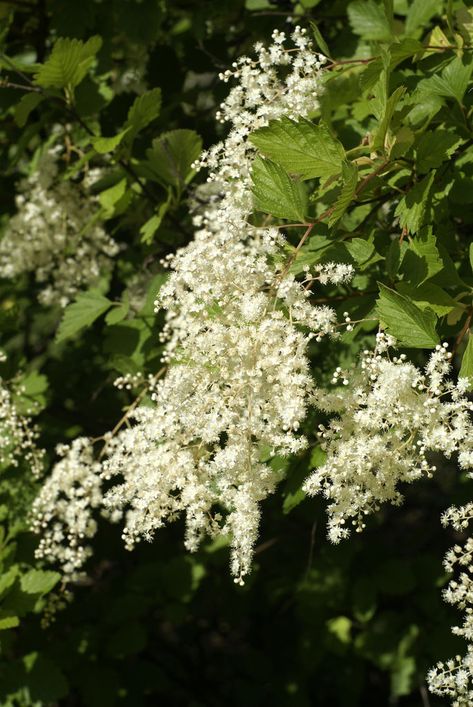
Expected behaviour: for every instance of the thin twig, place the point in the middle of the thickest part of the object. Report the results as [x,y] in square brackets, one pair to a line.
[18,86]
[463,331]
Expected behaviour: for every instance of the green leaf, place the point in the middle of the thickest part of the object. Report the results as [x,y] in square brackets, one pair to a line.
[88,307]
[276,193]
[435,147]
[414,208]
[410,325]
[466,370]
[144,110]
[8,620]
[39,581]
[28,103]
[347,192]
[149,228]
[359,249]
[102,145]
[420,12]
[422,259]
[471,255]
[68,63]
[391,103]
[429,296]
[153,289]
[300,147]
[172,154]
[319,40]
[118,313]
[110,197]
[368,19]
[452,82]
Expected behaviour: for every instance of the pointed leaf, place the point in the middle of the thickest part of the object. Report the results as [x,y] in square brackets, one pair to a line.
[144,110]
[68,63]
[172,155]
[347,193]
[82,313]
[300,147]
[276,193]
[414,208]
[27,104]
[410,325]
[369,20]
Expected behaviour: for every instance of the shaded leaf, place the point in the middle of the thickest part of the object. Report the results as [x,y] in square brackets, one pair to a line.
[82,313]
[172,155]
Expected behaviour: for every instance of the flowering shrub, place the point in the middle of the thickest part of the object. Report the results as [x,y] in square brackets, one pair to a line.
[283,314]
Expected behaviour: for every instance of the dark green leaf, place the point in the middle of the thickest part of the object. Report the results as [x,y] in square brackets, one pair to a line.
[414,208]
[29,102]
[347,192]
[172,154]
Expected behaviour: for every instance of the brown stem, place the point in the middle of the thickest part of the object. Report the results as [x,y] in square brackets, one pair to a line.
[463,331]
[18,86]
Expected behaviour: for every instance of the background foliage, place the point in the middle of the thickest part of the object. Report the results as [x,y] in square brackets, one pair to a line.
[134,85]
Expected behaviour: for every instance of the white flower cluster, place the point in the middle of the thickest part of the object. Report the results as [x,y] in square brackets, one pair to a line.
[63,512]
[55,235]
[389,416]
[454,678]
[238,380]
[18,436]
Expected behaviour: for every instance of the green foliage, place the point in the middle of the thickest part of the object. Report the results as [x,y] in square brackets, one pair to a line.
[68,64]
[276,192]
[300,148]
[382,170]
[411,326]
[88,307]
[171,157]
[466,370]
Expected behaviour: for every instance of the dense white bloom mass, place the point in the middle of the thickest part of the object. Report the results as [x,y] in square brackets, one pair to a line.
[389,416]
[454,678]
[65,507]
[17,435]
[238,379]
[55,235]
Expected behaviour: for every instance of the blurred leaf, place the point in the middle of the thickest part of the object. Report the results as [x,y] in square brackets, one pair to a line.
[368,19]
[28,103]
[39,581]
[88,307]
